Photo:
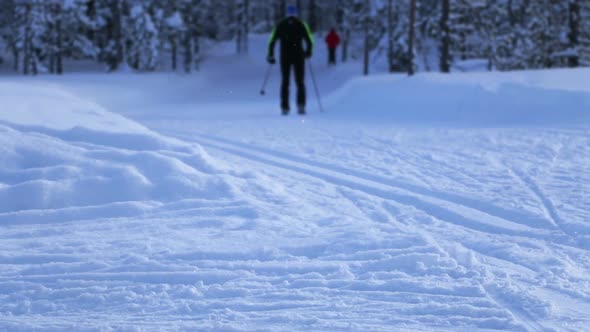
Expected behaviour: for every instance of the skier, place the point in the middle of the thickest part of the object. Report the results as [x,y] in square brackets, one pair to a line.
[332,40]
[292,32]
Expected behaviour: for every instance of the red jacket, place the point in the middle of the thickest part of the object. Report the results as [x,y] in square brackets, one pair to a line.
[332,39]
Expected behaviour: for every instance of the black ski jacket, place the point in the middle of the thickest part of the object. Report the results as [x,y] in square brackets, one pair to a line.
[291,32]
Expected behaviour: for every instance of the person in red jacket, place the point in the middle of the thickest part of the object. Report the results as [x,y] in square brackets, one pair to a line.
[332,40]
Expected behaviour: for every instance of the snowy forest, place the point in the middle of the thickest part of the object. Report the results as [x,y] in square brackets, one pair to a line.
[38,36]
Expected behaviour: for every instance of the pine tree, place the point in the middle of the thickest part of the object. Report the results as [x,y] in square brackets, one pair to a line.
[10,25]
[172,29]
[542,34]
[194,13]
[142,38]
[5,20]
[55,37]
[493,31]
[427,30]
[461,28]
[35,46]
[111,17]
[398,35]
[537,30]
[346,22]
[69,27]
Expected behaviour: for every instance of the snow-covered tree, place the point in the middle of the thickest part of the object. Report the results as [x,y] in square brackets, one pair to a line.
[172,28]
[346,23]
[10,25]
[110,17]
[398,23]
[67,34]
[34,46]
[143,39]
[546,27]
[462,21]
[194,13]
[493,31]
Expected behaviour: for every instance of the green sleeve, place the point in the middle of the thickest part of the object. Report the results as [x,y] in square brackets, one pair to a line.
[273,36]
[308,35]
[272,41]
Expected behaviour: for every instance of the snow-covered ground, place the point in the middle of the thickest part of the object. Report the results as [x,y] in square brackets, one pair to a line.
[154,202]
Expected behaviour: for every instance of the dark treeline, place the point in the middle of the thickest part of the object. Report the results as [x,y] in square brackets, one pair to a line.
[40,35]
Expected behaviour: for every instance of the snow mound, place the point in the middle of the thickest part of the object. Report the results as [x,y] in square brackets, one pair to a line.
[65,158]
[463,99]
[51,106]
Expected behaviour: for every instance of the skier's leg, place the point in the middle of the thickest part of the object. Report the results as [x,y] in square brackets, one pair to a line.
[332,56]
[286,74]
[300,80]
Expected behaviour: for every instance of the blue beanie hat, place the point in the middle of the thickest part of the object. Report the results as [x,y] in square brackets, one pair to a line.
[291,10]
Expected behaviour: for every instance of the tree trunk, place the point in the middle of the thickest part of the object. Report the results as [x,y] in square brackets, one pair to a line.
[340,19]
[411,38]
[59,41]
[16,57]
[27,42]
[174,52]
[239,26]
[366,48]
[390,59]
[246,24]
[188,52]
[239,41]
[463,46]
[117,35]
[52,32]
[313,22]
[35,64]
[91,13]
[197,53]
[345,43]
[445,56]
[188,41]
[574,18]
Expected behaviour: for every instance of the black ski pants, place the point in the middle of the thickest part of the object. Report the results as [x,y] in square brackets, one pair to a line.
[331,56]
[298,65]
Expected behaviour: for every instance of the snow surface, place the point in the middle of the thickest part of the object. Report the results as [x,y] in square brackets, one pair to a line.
[133,202]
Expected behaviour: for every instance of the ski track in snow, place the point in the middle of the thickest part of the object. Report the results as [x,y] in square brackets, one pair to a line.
[437,205]
[366,184]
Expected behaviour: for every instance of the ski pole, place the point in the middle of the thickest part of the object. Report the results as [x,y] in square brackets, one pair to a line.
[265,80]
[317,92]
